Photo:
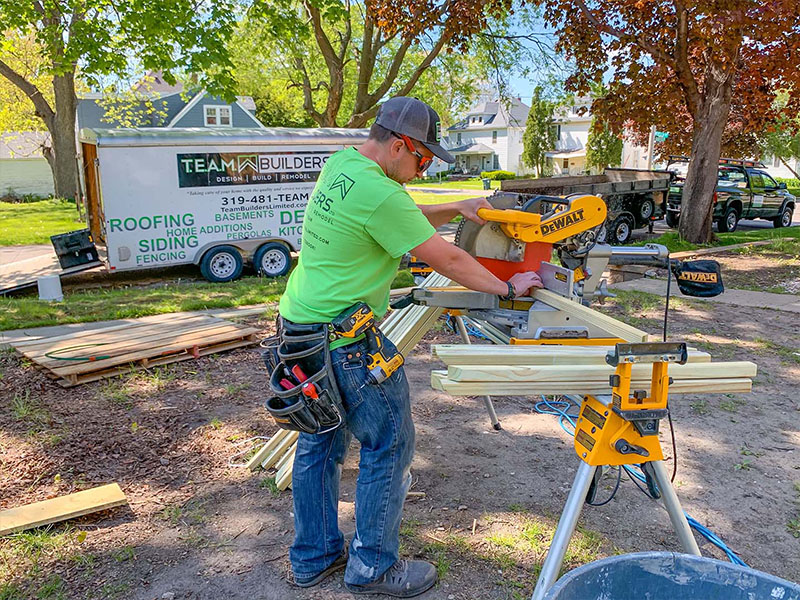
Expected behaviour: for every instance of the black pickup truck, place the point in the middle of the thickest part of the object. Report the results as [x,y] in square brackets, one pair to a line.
[744,191]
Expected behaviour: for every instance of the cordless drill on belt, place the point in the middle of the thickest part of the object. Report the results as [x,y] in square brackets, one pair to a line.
[357,320]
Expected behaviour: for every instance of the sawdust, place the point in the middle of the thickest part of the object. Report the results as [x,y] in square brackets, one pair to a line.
[197,528]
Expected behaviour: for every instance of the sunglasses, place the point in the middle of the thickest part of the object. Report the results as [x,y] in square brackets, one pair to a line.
[424,161]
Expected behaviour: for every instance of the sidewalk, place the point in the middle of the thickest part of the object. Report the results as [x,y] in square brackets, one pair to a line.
[744,298]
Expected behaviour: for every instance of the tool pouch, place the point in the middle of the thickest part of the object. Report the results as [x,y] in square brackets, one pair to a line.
[304,345]
[699,278]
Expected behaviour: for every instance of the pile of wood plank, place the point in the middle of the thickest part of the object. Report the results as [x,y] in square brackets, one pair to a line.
[405,328]
[482,370]
[277,453]
[89,355]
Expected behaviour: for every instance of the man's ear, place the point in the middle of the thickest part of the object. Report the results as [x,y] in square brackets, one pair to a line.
[396,147]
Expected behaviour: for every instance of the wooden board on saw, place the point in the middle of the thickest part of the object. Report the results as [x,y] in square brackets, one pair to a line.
[486,354]
[614,327]
[440,381]
[85,356]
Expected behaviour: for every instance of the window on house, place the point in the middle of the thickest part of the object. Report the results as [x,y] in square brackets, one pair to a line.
[218,116]
[565,164]
[494,137]
[458,140]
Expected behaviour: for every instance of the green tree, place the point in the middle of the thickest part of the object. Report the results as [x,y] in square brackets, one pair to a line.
[603,148]
[540,134]
[781,139]
[344,57]
[104,37]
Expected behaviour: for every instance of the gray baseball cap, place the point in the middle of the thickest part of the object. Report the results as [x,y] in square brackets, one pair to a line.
[417,120]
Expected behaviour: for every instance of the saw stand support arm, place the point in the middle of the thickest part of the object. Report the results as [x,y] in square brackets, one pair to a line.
[621,429]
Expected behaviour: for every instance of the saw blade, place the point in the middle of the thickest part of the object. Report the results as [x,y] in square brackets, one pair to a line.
[488,240]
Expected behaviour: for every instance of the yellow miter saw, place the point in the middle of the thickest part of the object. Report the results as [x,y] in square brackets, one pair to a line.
[522,233]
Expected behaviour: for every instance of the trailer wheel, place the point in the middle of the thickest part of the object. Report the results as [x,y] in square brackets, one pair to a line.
[646,209]
[619,232]
[221,264]
[272,260]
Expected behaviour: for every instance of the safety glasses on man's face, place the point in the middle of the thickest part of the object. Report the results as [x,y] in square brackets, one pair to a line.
[424,161]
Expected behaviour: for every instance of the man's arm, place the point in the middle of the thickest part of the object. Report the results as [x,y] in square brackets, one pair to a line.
[453,262]
[439,214]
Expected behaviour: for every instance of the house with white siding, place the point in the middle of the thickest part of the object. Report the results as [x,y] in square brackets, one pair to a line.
[489,137]
[23,168]
[572,124]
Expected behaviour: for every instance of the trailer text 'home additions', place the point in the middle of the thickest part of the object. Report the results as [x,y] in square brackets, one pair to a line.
[217,199]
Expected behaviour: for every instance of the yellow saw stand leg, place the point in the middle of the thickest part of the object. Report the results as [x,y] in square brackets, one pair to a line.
[621,429]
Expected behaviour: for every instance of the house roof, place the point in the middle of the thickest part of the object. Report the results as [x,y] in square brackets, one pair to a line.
[23,144]
[494,115]
[472,149]
[153,82]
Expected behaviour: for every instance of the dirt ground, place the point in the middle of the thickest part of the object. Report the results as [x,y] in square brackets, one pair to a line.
[196,527]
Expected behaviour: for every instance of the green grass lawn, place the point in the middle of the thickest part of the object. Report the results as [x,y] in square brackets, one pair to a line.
[434,198]
[105,305]
[675,244]
[35,222]
[470,184]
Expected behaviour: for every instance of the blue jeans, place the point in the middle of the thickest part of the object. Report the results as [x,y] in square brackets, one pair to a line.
[379,416]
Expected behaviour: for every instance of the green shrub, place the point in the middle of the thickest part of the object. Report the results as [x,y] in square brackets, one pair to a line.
[790,183]
[13,198]
[497,175]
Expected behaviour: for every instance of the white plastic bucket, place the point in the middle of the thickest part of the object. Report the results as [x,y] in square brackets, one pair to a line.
[50,288]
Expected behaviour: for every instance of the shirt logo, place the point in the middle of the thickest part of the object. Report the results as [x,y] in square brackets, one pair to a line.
[343,183]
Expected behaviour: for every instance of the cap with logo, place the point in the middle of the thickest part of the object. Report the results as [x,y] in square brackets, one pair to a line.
[417,120]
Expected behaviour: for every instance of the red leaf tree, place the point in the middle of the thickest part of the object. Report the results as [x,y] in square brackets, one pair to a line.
[706,71]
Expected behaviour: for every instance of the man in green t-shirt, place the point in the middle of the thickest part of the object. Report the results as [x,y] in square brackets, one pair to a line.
[359,222]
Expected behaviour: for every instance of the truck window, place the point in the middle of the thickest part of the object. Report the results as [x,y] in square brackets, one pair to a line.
[769,182]
[756,180]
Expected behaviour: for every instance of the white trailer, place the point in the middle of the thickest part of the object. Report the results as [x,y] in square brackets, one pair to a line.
[214,198]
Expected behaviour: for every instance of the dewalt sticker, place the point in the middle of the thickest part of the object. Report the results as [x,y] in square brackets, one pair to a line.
[593,416]
[562,222]
[698,277]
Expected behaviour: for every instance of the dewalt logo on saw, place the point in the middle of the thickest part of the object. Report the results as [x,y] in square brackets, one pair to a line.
[561,222]
[699,277]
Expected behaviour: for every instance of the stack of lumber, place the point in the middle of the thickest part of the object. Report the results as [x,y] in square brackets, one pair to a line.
[481,370]
[405,328]
[89,355]
[277,453]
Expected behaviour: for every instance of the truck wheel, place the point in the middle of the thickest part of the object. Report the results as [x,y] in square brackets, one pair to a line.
[729,221]
[646,209]
[785,218]
[672,219]
[221,264]
[619,232]
[272,260]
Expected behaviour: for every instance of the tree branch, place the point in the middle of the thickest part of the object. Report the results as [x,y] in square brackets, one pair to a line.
[43,108]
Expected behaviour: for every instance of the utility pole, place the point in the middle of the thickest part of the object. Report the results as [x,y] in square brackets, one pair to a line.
[651,145]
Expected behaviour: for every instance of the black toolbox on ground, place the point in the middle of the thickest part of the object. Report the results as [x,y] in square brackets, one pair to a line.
[74,248]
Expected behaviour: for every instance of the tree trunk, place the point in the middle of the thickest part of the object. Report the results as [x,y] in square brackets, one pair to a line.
[786,164]
[63,163]
[701,178]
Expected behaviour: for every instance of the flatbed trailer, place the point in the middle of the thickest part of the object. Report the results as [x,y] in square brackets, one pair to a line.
[635,197]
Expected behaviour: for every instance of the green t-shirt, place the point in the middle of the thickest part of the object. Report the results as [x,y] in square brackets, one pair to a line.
[357,226]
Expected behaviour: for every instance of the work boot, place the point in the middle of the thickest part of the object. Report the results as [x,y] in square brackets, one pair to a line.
[337,565]
[404,579]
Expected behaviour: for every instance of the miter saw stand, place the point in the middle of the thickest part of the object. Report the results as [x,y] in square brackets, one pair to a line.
[621,429]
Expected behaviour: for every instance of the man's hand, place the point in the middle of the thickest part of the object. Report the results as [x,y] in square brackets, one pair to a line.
[469,208]
[523,282]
